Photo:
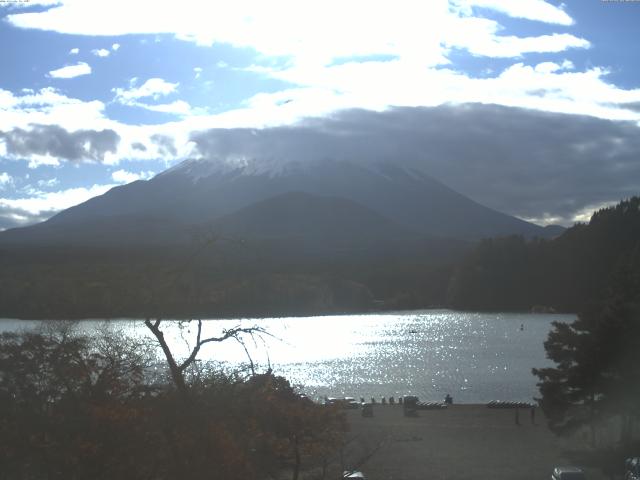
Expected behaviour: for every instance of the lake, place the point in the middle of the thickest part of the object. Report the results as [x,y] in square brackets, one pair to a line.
[476,357]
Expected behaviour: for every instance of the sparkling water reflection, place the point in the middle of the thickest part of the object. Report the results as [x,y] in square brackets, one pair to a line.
[476,357]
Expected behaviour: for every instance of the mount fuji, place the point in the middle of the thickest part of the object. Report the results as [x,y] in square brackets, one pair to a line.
[330,204]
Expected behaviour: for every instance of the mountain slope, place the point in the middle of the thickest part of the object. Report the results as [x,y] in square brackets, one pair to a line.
[306,215]
[297,224]
[207,239]
[197,192]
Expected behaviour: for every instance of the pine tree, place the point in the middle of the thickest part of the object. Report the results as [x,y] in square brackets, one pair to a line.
[597,372]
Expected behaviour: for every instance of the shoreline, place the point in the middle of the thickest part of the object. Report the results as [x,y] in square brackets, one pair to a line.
[176,318]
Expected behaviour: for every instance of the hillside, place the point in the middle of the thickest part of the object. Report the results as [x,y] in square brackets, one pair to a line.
[217,240]
[565,273]
[197,193]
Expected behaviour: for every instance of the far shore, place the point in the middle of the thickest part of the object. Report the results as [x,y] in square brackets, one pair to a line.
[284,315]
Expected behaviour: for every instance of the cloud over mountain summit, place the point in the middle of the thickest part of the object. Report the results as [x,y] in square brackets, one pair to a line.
[536,165]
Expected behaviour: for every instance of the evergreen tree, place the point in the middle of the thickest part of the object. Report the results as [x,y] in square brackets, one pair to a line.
[564,273]
[597,372]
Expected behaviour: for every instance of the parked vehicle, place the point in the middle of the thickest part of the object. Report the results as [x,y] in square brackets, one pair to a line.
[346,402]
[410,406]
[411,402]
[568,473]
[355,474]
[632,470]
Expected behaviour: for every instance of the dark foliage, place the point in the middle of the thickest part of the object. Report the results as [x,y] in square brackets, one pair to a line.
[564,274]
[597,373]
[74,408]
[225,280]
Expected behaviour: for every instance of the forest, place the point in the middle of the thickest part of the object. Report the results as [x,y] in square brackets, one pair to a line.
[219,278]
[563,274]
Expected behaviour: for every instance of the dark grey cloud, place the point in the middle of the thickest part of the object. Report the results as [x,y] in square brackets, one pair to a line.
[57,142]
[139,146]
[523,162]
[166,145]
[635,106]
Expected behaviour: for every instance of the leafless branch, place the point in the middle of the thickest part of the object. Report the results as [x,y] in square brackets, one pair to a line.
[251,365]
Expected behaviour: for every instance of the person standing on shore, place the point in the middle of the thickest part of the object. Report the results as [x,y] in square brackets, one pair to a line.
[533,414]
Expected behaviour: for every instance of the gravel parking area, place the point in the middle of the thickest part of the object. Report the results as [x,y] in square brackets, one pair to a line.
[461,442]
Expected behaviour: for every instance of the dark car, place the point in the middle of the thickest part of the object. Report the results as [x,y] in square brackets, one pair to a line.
[346,402]
[632,470]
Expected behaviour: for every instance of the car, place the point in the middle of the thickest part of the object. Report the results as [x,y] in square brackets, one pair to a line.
[568,473]
[353,474]
[410,400]
[346,402]
[632,470]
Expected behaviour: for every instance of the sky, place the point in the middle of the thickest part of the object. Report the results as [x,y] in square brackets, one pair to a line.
[530,107]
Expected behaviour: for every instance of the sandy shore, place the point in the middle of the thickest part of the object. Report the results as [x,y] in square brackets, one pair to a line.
[461,442]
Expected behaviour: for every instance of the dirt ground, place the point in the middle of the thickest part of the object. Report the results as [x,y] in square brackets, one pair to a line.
[461,442]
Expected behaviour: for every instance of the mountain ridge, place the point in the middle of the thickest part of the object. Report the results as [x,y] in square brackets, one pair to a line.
[200,192]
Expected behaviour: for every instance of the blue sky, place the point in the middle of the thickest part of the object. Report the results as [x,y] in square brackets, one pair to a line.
[94,94]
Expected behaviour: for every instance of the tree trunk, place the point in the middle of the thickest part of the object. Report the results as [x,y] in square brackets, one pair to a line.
[296,451]
[176,373]
[592,424]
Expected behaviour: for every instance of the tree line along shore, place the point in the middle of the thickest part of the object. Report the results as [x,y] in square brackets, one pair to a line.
[221,280]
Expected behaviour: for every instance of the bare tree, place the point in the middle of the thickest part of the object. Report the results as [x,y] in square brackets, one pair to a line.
[176,368]
[205,239]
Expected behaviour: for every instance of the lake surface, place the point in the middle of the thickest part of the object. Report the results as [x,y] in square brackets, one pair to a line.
[476,357]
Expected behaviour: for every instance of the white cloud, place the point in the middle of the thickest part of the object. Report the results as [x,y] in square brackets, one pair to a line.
[124,176]
[418,36]
[52,182]
[550,67]
[528,9]
[491,45]
[71,71]
[74,51]
[115,47]
[36,160]
[153,88]
[49,107]
[50,202]
[5,179]
[310,33]
[378,85]
[177,107]
[371,85]
[102,52]
[29,4]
